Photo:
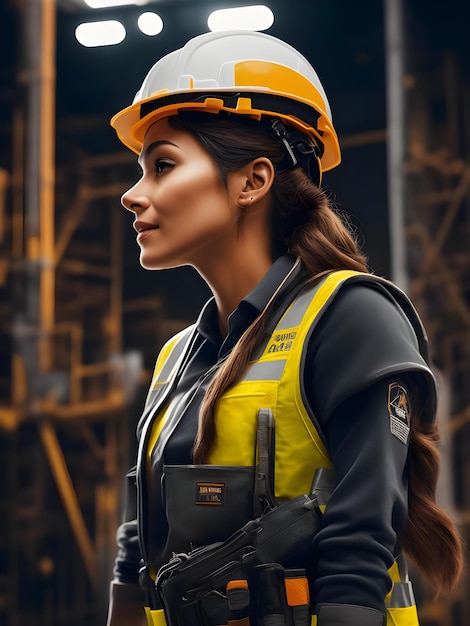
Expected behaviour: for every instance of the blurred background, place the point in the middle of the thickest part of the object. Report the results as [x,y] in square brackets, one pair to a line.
[81,322]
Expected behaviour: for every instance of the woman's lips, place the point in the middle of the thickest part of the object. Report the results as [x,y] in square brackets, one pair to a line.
[144,229]
[140,226]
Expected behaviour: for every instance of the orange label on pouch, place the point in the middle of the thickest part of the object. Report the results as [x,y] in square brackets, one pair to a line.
[210,493]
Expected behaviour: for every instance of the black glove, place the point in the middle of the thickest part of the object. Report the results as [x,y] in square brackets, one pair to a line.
[348,615]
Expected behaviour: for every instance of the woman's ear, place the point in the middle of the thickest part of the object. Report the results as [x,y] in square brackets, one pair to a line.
[255,180]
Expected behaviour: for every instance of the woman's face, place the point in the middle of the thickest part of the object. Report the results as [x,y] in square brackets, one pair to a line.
[183,212]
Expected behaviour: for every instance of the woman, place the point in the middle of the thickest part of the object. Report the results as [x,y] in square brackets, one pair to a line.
[233,132]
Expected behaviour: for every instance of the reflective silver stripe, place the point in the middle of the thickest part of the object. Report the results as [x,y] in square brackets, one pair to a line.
[292,318]
[269,370]
[273,370]
[171,361]
[295,314]
[155,392]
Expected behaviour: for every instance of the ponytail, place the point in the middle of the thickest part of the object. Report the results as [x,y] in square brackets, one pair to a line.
[430,539]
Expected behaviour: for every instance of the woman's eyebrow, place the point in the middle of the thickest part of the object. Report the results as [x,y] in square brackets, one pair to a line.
[143,155]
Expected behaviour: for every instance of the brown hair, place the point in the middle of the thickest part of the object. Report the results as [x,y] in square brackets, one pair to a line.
[430,538]
[305,225]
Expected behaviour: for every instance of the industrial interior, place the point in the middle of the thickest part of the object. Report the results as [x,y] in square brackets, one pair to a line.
[81,322]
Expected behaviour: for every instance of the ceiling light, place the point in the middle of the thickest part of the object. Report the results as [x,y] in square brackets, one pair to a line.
[94,34]
[257,17]
[150,23]
[104,4]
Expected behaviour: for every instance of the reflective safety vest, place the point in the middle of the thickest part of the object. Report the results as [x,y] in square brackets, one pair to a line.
[273,379]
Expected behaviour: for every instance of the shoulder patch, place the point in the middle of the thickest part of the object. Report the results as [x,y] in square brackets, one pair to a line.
[399,411]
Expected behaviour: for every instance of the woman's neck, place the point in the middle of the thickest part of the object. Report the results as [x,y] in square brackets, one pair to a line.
[233,279]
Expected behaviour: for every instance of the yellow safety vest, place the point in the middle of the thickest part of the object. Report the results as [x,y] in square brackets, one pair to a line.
[273,380]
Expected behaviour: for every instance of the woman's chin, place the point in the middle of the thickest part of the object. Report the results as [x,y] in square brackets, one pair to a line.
[157,264]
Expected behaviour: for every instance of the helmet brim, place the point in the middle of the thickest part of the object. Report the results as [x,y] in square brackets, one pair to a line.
[132,123]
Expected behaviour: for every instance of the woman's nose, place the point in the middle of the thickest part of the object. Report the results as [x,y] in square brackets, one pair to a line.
[134,200]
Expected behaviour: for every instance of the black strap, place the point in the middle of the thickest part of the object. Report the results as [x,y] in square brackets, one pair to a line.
[263,496]
[322,485]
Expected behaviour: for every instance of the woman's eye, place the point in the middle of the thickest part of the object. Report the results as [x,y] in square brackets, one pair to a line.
[162,165]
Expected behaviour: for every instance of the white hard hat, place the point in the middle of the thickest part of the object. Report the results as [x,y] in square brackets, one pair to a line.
[245,73]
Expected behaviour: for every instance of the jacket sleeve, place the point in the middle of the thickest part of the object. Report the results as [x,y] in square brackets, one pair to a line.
[362,347]
[127,563]
[368,507]
[126,598]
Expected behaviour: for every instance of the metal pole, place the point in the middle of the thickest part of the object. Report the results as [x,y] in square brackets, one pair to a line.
[394,59]
[39,78]
[47,179]
[69,498]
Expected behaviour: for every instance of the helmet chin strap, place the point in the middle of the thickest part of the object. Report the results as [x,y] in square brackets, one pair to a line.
[300,150]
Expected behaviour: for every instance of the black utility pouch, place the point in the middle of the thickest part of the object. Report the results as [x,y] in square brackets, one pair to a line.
[229,542]
[206,503]
[192,586]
